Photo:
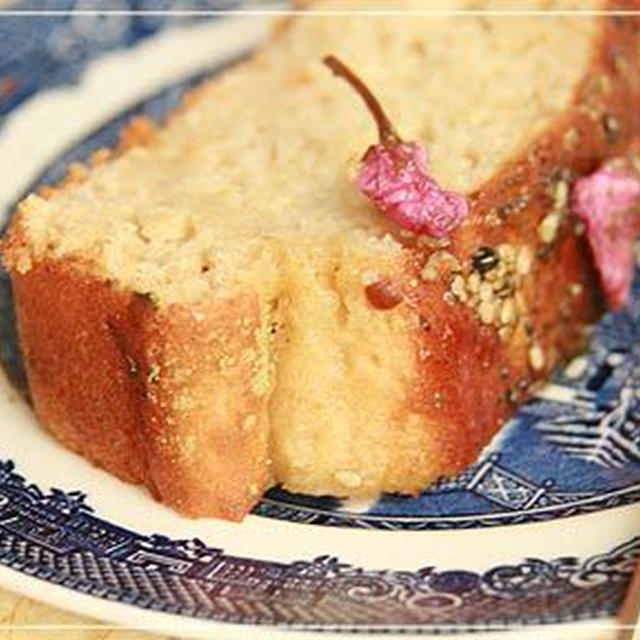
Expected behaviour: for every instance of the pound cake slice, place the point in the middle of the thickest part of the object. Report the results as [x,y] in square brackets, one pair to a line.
[214,308]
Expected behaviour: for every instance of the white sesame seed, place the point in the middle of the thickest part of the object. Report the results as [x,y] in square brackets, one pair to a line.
[560,195]
[579,228]
[486,292]
[525,260]
[507,311]
[458,288]
[575,289]
[429,272]
[486,311]
[507,253]
[571,139]
[536,357]
[474,282]
[548,228]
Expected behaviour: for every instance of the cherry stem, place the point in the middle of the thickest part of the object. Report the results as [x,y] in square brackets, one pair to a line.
[385,128]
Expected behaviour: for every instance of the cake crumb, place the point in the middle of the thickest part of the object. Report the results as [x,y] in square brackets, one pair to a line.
[349,479]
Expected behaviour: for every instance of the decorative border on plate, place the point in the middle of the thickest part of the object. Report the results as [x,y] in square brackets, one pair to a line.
[523,502]
[272,508]
[55,536]
[55,50]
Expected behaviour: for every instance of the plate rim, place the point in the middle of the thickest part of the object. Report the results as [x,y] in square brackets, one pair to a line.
[90,601]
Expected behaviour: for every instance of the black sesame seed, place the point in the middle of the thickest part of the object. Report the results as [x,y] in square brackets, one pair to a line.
[484,259]
[505,210]
[528,327]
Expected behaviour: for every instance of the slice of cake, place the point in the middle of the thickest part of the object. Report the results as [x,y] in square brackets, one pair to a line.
[217,308]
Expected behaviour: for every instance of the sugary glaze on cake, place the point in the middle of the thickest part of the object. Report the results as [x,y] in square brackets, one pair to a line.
[218,309]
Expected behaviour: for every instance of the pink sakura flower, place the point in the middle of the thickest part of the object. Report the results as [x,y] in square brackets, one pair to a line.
[607,201]
[395,176]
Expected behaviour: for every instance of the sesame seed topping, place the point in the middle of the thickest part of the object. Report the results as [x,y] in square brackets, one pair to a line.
[486,292]
[525,260]
[571,139]
[560,195]
[473,283]
[484,259]
[507,253]
[548,228]
[458,288]
[575,289]
[536,357]
[611,127]
[507,312]
[486,311]
[495,294]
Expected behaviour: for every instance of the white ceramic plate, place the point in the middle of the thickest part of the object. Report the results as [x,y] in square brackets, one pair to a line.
[542,530]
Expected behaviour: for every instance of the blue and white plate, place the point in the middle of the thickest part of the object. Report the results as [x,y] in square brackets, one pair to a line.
[544,529]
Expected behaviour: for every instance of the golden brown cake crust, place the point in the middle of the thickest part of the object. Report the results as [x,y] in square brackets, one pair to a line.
[109,373]
[472,380]
[129,385]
